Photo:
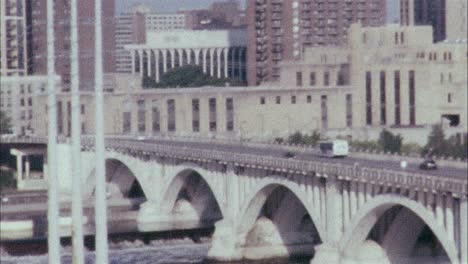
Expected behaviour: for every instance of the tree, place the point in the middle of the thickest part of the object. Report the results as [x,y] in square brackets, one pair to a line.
[304,139]
[188,76]
[389,142]
[5,123]
[436,141]
[453,146]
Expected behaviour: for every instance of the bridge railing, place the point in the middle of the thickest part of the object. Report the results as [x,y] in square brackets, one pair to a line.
[398,178]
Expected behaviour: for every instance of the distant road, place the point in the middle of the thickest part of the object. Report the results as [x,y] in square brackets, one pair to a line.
[276,151]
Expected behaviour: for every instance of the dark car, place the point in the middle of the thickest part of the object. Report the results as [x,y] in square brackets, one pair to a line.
[428,164]
[290,155]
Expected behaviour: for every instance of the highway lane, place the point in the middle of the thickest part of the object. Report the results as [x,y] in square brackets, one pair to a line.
[277,151]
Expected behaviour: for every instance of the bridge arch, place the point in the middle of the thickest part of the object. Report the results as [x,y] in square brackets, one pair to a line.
[368,215]
[293,216]
[196,185]
[123,178]
[263,188]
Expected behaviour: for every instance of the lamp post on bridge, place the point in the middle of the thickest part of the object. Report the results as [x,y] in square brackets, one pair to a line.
[101,203]
[77,207]
[53,236]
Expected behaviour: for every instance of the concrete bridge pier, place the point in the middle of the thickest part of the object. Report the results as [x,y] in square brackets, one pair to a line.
[329,252]
[223,246]
[150,214]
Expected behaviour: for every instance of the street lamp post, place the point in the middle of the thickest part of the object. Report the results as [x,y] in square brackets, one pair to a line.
[77,208]
[53,236]
[101,203]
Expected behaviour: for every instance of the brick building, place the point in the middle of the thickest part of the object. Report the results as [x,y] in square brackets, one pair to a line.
[280,30]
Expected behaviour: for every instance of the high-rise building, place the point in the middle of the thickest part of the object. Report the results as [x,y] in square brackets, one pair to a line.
[426,12]
[13,40]
[131,28]
[220,15]
[456,20]
[37,47]
[280,30]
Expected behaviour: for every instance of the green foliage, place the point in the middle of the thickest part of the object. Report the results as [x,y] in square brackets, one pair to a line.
[369,145]
[188,76]
[304,139]
[440,146]
[5,123]
[7,180]
[279,140]
[389,142]
[411,149]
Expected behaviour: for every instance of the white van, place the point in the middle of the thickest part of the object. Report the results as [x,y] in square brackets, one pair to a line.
[334,148]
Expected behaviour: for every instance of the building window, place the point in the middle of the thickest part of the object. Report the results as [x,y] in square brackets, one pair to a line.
[82,109]
[156,117]
[441,78]
[59,118]
[312,79]
[229,114]
[309,99]
[326,78]
[402,37]
[212,113]
[449,98]
[171,115]
[450,77]
[68,118]
[22,102]
[195,115]
[396,37]
[278,99]
[262,100]
[349,110]
[293,99]
[141,116]
[383,96]
[368,98]
[30,101]
[412,96]
[127,122]
[324,111]
[397,98]
[298,78]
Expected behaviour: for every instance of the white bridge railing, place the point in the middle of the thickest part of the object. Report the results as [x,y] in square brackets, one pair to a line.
[399,179]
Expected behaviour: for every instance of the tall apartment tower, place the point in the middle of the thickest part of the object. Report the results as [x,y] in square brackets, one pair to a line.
[13,38]
[426,12]
[38,45]
[280,30]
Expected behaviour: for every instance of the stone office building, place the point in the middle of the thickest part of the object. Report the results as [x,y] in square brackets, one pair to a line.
[385,77]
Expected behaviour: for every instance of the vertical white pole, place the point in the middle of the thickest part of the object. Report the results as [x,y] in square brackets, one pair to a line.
[53,241]
[156,65]
[226,54]
[77,207]
[100,205]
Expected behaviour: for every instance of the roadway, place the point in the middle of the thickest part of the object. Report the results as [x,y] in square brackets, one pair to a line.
[310,154]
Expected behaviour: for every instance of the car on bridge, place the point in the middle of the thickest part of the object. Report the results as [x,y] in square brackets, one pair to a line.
[428,164]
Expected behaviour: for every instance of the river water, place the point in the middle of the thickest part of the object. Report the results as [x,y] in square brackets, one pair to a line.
[167,254]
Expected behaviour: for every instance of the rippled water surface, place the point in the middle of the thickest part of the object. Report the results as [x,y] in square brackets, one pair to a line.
[180,254]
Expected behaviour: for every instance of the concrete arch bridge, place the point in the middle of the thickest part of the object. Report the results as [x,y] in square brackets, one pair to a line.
[265,206]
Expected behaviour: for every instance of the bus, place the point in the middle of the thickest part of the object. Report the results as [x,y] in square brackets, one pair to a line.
[334,148]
